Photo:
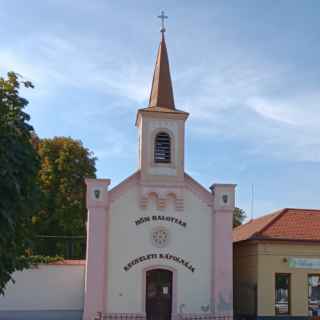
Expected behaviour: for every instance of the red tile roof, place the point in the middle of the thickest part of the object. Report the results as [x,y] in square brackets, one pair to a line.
[286,224]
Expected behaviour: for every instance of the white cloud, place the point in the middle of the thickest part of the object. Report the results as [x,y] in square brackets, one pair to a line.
[249,101]
[299,109]
[58,63]
[277,111]
[294,128]
[229,95]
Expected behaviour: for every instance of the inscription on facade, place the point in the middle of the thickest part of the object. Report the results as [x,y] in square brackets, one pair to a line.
[160,218]
[166,256]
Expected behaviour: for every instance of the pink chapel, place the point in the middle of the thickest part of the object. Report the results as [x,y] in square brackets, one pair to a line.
[159,244]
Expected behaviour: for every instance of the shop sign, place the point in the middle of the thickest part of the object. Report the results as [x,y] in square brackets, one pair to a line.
[303,263]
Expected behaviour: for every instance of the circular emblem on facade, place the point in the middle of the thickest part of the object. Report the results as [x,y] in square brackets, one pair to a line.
[160,237]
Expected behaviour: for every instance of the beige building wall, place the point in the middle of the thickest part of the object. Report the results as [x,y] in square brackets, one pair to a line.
[272,259]
[245,278]
[255,265]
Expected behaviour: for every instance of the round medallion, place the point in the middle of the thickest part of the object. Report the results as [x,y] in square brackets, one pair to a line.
[160,237]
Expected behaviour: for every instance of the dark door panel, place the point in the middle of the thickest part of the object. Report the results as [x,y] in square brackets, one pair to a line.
[159,294]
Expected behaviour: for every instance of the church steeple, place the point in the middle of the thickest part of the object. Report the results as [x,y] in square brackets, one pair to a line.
[161,92]
[161,127]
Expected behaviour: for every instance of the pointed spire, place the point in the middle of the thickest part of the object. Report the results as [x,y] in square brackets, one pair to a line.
[161,92]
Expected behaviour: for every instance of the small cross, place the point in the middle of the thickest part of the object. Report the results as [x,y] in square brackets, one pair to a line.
[162,17]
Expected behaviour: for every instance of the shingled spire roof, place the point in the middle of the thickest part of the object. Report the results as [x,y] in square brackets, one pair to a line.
[161,92]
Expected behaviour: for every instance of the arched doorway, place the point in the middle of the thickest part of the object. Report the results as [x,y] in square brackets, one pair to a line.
[158,294]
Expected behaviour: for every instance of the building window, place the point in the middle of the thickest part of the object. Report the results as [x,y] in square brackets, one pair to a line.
[282,294]
[162,148]
[314,294]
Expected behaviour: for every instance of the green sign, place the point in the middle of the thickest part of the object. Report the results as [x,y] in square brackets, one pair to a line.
[304,263]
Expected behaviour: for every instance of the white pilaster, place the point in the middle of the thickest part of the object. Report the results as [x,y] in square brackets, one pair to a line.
[97,241]
[222,264]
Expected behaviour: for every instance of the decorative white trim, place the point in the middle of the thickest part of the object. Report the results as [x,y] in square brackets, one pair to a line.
[162,194]
[162,191]
[160,237]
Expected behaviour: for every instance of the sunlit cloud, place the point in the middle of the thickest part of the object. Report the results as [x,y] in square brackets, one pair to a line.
[59,63]
[253,88]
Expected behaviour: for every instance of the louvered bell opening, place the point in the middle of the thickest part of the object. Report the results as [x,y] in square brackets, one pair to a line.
[162,148]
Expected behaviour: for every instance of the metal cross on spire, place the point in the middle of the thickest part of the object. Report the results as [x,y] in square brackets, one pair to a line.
[162,17]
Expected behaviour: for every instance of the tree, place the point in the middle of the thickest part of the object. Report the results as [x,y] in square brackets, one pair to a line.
[19,165]
[65,163]
[238,217]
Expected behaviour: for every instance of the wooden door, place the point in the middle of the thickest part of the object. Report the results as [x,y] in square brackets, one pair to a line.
[159,294]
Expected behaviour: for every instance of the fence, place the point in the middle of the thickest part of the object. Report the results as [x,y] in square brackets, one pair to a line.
[119,316]
[181,316]
[206,316]
[69,247]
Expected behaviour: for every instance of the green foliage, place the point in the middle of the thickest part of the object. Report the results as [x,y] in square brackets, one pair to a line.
[65,163]
[19,165]
[238,217]
[38,259]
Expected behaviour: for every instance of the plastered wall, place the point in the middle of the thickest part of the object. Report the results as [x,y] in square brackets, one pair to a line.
[47,287]
[126,291]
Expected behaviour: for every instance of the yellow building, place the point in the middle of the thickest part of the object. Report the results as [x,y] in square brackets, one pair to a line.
[277,265]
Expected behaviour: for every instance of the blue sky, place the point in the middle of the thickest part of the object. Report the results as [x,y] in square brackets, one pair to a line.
[247,71]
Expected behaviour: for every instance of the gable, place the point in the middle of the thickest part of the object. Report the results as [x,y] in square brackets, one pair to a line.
[189,183]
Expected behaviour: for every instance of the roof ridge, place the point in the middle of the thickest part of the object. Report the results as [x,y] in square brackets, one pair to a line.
[278,214]
[260,217]
[285,224]
[256,220]
[301,209]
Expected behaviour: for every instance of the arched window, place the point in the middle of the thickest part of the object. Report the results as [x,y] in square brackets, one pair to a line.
[162,148]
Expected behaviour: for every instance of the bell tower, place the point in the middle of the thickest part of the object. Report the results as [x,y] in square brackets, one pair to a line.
[161,128]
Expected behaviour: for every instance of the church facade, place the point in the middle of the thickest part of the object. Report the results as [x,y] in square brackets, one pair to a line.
[159,245]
